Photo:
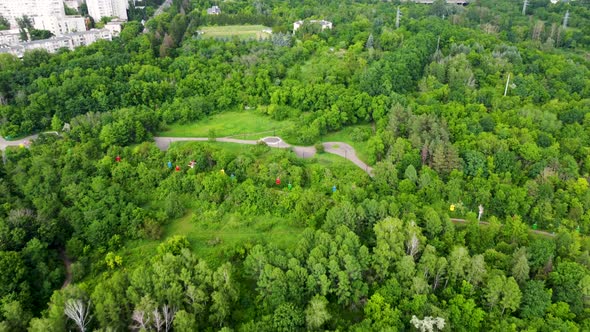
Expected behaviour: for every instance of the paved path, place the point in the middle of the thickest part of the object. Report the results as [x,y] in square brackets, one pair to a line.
[338,148]
[161,9]
[348,152]
[158,11]
[23,141]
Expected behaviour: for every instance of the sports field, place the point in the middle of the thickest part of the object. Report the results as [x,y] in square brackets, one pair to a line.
[243,125]
[240,31]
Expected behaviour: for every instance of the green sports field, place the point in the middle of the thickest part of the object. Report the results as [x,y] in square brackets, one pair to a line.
[240,31]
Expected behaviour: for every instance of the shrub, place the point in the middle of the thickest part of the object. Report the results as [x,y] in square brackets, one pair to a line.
[319,147]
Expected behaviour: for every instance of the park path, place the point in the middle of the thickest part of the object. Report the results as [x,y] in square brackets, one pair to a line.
[161,9]
[24,141]
[68,264]
[338,148]
[347,152]
[158,11]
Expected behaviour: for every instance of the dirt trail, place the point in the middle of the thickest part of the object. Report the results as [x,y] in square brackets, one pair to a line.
[68,264]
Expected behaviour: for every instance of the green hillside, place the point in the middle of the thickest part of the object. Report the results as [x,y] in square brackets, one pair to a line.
[454,196]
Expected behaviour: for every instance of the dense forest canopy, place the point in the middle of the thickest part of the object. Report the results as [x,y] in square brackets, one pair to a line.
[464,106]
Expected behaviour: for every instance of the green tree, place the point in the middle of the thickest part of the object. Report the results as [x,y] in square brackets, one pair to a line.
[536,299]
[13,270]
[25,24]
[40,34]
[56,123]
[520,265]
[565,281]
[459,260]
[287,317]
[184,322]
[464,315]
[316,313]
[15,317]
[390,245]
[4,24]
[380,316]
[503,293]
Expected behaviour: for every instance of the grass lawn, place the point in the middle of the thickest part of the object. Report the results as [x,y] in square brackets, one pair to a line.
[345,135]
[328,160]
[240,31]
[246,125]
[215,242]
[234,148]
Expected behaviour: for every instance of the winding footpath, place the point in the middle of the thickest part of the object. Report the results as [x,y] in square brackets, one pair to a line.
[68,265]
[338,148]
[158,11]
[23,141]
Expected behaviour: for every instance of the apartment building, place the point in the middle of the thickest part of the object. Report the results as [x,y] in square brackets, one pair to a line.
[44,14]
[107,8]
[52,45]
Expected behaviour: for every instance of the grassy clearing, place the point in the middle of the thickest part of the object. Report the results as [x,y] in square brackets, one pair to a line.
[234,148]
[216,242]
[246,125]
[345,135]
[333,161]
[240,31]
[328,159]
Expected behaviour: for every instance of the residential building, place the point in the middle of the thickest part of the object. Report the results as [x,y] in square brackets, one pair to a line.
[44,14]
[107,8]
[115,26]
[10,37]
[89,37]
[52,45]
[13,9]
[59,25]
[75,4]
[215,10]
[323,23]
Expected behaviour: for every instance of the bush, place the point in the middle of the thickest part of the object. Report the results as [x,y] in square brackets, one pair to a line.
[319,147]
[151,229]
[212,135]
[361,134]
[78,271]
[174,245]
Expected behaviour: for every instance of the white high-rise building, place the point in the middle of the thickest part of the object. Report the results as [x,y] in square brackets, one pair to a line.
[13,9]
[60,25]
[107,8]
[74,4]
[44,14]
